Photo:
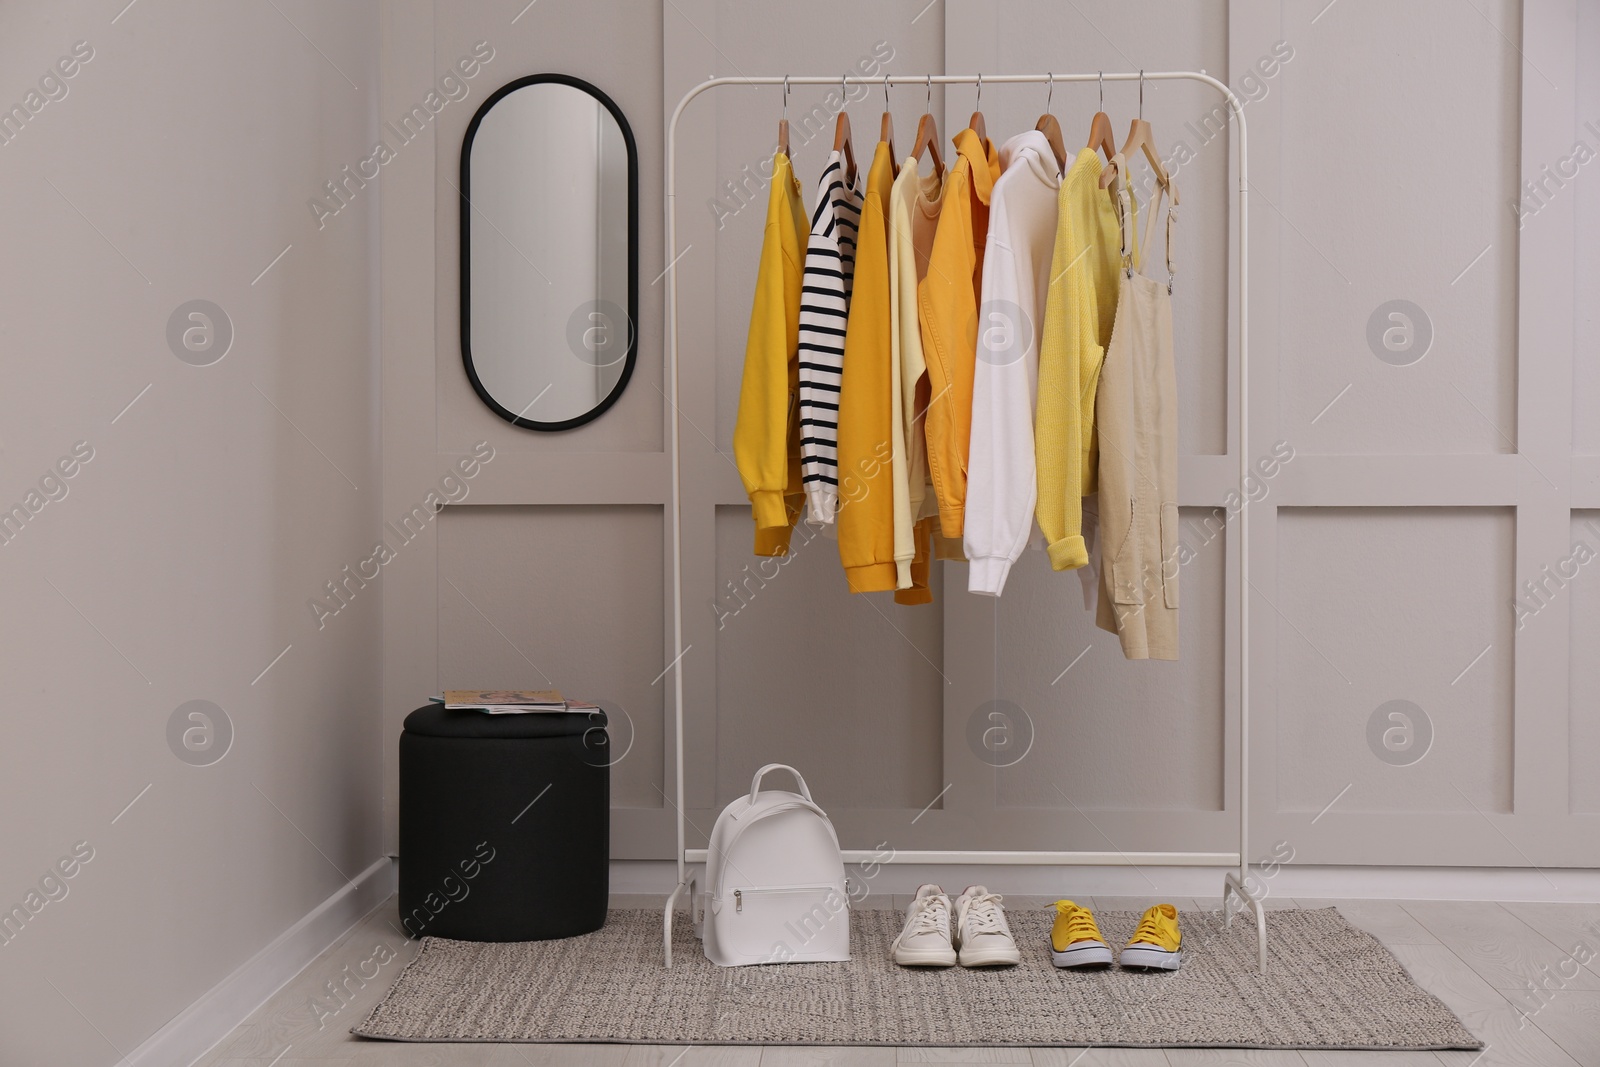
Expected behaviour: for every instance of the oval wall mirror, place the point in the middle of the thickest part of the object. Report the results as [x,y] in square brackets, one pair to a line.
[549,252]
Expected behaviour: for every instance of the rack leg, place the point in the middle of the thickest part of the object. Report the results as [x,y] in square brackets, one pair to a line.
[666,918]
[1233,889]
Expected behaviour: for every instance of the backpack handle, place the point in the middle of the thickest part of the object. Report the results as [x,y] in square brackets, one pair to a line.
[755,783]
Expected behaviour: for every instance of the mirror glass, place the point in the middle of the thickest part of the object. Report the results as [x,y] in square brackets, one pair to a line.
[549,248]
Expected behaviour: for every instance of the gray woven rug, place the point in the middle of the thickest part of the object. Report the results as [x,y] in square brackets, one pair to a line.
[1329,986]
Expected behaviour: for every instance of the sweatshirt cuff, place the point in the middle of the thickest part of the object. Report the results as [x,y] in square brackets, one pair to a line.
[988,575]
[870,577]
[902,574]
[766,505]
[823,503]
[1069,553]
[952,521]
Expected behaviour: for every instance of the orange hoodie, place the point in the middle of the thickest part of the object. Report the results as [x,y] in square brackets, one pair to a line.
[948,301]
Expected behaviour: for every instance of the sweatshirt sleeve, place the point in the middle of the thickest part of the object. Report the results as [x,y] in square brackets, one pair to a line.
[1000,487]
[1059,430]
[823,311]
[902,274]
[947,310]
[761,434]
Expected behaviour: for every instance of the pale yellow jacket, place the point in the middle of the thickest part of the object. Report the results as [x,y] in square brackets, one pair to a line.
[914,203]
[1080,307]
[766,440]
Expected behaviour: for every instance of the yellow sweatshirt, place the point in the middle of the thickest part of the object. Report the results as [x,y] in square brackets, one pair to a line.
[947,298]
[867,400]
[766,439]
[1080,306]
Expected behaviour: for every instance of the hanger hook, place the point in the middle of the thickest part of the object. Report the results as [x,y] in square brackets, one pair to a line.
[844,93]
[786,98]
[1141,92]
[1051,95]
[977,105]
[1102,90]
[928,104]
[886,92]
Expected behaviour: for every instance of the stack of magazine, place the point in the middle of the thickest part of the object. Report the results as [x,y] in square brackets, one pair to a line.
[511,701]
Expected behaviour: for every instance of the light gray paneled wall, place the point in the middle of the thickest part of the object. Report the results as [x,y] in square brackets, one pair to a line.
[1094,714]
[1387,549]
[1584,666]
[849,689]
[553,572]
[560,623]
[176,163]
[1436,473]
[1585,196]
[1353,237]
[1397,608]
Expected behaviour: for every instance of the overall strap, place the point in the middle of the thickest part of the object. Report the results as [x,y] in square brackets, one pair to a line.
[1122,200]
[1172,217]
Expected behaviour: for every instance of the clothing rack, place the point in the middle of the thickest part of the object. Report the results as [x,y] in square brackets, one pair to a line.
[1236,897]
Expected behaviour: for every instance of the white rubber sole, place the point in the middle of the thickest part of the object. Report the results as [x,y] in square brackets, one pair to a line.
[994,957]
[924,957]
[1149,956]
[1083,954]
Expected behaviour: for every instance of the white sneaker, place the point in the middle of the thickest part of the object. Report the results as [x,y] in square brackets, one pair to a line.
[983,938]
[925,941]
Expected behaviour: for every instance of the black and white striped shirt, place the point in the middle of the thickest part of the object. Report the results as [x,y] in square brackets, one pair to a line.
[824,306]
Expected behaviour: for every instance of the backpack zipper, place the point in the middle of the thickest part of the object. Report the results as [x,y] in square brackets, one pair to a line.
[738,894]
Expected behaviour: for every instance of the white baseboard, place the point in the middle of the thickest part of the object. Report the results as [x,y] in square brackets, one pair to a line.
[1290,880]
[198,1028]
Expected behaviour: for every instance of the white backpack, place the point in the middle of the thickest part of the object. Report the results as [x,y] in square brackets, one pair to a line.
[775,886]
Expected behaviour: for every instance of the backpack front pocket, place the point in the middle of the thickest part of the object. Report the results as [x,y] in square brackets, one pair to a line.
[775,924]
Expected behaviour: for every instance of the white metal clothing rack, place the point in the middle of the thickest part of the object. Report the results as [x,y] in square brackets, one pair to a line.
[1236,897]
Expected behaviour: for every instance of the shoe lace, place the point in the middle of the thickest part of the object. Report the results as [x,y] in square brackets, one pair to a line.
[983,915]
[931,916]
[1080,923]
[1150,929]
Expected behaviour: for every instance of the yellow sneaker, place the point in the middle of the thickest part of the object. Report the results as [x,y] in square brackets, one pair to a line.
[1155,943]
[1075,940]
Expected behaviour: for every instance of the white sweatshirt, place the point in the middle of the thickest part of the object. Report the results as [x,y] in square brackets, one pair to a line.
[1001,491]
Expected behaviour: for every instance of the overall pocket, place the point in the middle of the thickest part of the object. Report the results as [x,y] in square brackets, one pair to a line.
[1169,554]
[1125,564]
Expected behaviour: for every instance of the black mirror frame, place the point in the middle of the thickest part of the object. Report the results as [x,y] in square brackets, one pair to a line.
[633,254]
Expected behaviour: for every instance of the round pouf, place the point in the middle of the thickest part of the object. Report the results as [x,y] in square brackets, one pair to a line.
[504,824]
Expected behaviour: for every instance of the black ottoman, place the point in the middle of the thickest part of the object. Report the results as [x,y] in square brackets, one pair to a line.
[504,824]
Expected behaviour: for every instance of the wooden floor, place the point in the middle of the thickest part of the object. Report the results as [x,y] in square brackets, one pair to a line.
[1480,958]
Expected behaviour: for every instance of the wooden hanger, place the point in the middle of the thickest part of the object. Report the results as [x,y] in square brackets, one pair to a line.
[783,123]
[1101,139]
[841,143]
[1139,136]
[886,130]
[1051,129]
[928,136]
[976,125]
[841,139]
